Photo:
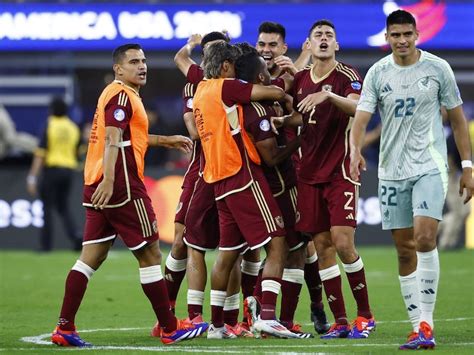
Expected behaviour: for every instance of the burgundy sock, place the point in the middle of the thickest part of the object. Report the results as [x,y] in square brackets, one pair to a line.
[231,317]
[158,296]
[257,292]
[248,283]
[269,300]
[194,310]
[217,316]
[313,281]
[75,287]
[359,290]
[335,299]
[290,293]
[173,281]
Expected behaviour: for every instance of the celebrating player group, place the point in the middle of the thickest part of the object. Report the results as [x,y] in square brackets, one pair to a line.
[273,184]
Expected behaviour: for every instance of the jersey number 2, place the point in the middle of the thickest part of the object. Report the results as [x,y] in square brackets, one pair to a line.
[404,108]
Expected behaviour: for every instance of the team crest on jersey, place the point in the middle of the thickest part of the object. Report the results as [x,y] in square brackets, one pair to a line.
[356,85]
[327,87]
[178,208]
[155,226]
[189,103]
[265,125]
[424,84]
[119,114]
[279,221]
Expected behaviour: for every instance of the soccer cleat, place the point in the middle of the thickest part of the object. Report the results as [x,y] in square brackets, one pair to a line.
[185,331]
[68,338]
[224,332]
[273,327]
[337,331]
[425,337]
[296,329]
[318,317]
[361,328]
[156,330]
[412,342]
[242,330]
[251,311]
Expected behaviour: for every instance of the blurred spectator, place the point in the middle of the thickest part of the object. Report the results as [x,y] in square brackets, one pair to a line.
[55,160]
[12,141]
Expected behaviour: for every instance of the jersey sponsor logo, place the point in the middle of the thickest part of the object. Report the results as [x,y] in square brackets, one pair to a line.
[189,103]
[119,114]
[356,85]
[327,87]
[265,125]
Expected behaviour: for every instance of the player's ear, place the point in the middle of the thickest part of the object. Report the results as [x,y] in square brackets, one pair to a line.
[285,48]
[337,46]
[117,69]
[261,77]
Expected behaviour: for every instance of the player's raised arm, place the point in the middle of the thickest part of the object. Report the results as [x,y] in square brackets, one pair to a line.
[183,58]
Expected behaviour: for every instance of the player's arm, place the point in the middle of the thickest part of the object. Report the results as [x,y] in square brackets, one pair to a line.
[304,57]
[294,119]
[461,136]
[104,191]
[182,58]
[346,104]
[270,92]
[190,124]
[356,141]
[179,142]
[272,154]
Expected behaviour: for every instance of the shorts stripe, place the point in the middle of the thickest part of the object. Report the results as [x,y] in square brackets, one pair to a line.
[138,246]
[95,241]
[294,197]
[263,206]
[143,217]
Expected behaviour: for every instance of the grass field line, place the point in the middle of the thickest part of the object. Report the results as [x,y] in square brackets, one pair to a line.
[43,339]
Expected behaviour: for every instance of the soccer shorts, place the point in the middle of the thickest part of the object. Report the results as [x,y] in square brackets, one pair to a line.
[287,203]
[326,205]
[421,195]
[135,222]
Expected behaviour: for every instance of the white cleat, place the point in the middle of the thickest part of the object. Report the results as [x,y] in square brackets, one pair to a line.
[224,332]
[275,328]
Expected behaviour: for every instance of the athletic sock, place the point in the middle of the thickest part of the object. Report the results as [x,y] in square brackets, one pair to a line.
[217,307]
[249,277]
[427,277]
[291,283]
[175,270]
[356,276]
[270,290]
[410,295]
[231,309]
[313,281]
[195,302]
[331,278]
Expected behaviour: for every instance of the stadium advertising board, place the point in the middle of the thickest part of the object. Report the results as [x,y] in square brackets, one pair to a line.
[89,27]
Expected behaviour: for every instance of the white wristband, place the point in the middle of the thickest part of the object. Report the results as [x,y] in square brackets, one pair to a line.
[466,164]
[30,179]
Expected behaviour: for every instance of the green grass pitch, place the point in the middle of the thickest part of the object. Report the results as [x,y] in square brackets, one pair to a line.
[116,317]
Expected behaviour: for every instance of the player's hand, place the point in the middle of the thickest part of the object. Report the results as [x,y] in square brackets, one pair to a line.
[310,102]
[285,63]
[179,142]
[101,196]
[277,122]
[306,46]
[357,164]
[194,40]
[466,183]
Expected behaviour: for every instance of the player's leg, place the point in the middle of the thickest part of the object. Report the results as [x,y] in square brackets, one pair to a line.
[196,272]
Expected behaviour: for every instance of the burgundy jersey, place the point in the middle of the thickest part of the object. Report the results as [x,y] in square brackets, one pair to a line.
[257,124]
[195,74]
[120,104]
[325,133]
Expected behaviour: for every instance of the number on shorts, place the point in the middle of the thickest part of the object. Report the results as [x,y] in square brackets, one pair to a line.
[391,198]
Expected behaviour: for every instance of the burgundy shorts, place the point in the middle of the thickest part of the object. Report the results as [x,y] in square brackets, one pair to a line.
[135,223]
[322,206]
[287,203]
[202,220]
[250,217]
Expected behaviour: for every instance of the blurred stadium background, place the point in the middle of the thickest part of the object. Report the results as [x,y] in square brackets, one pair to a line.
[64,48]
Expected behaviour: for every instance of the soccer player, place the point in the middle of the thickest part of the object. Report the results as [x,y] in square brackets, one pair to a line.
[117,201]
[326,95]
[248,215]
[409,87]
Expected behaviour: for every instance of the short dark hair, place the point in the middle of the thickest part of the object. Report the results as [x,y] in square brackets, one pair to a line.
[58,107]
[119,52]
[322,22]
[214,36]
[248,65]
[400,17]
[272,27]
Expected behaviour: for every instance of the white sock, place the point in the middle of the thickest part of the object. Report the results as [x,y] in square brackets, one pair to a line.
[175,265]
[195,297]
[410,294]
[427,278]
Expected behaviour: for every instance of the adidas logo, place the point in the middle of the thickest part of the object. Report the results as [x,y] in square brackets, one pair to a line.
[411,307]
[429,291]
[359,287]
[169,277]
[387,88]
[331,298]
[423,206]
[350,216]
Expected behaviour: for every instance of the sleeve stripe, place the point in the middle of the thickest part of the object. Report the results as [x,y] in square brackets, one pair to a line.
[188,90]
[123,99]
[259,108]
[348,72]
